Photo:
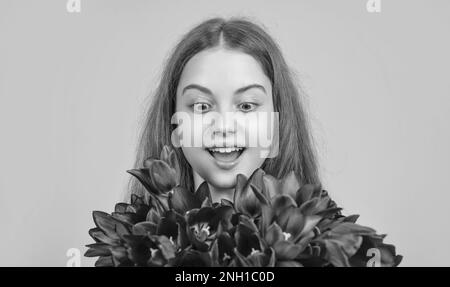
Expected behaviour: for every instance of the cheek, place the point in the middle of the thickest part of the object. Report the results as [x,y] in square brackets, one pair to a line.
[252,160]
[194,155]
[190,131]
[199,159]
[262,129]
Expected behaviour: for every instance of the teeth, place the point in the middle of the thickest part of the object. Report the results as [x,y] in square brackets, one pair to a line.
[225,149]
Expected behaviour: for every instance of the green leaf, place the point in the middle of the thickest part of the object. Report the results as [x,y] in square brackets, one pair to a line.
[127,217]
[106,223]
[120,256]
[98,235]
[351,218]
[343,241]
[104,261]
[388,256]
[98,249]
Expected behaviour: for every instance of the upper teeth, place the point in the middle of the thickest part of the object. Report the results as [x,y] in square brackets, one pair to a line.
[225,149]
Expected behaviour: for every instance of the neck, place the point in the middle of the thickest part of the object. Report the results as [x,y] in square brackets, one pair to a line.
[217,194]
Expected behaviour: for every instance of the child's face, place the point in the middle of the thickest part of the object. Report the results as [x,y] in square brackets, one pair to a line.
[220,73]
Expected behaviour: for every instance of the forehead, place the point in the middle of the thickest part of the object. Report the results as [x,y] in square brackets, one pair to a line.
[222,68]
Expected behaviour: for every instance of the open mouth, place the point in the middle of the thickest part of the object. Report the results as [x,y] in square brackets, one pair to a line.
[226,154]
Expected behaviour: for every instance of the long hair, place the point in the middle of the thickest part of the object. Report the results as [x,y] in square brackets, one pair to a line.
[296,150]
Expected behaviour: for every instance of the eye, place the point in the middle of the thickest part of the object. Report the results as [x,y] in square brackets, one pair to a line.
[201,107]
[247,106]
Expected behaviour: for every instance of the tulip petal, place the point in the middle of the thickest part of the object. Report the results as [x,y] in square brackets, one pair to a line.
[104,261]
[257,180]
[258,259]
[246,240]
[290,184]
[352,218]
[153,216]
[121,207]
[286,250]
[295,222]
[203,192]
[272,185]
[281,203]
[193,258]
[182,200]
[273,234]
[143,228]
[241,260]
[162,176]
[99,236]
[128,217]
[169,156]
[290,263]
[245,200]
[283,218]
[137,200]
[305,193]
[143,176]
[167,247]
[98,249]
[112,227]
[202,215]
[310,222]
[267,217]
[225,245]
[386,252]
[221,214]
[167,226]
[343,241]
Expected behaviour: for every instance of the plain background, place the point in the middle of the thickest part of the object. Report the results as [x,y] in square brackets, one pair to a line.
[74,86]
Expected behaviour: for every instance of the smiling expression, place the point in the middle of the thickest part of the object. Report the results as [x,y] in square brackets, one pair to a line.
[218,82]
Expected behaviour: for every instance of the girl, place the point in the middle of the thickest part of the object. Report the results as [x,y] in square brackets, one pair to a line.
[227,66]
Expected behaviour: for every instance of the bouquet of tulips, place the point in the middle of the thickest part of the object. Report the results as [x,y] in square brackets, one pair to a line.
[271,222]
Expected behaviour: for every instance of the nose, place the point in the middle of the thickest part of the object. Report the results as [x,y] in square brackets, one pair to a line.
[225,125]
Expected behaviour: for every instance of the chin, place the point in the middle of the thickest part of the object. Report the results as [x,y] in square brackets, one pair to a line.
[223,180]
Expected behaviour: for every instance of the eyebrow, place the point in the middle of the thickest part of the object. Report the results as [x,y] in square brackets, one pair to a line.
[208,91]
